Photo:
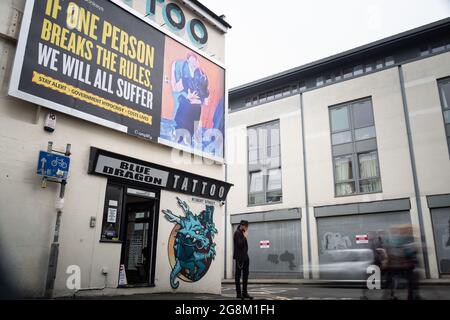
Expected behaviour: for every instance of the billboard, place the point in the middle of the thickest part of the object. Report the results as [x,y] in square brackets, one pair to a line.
[193,101]
[96,61]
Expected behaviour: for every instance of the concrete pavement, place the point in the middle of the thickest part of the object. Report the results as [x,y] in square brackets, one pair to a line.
[288,292]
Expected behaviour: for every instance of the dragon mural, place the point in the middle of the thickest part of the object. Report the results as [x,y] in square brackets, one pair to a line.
[191,246]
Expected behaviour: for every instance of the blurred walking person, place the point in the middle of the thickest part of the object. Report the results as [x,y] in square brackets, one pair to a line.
[402,261]
[379,256]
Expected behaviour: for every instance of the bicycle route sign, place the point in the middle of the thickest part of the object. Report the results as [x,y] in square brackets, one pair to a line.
[53,165]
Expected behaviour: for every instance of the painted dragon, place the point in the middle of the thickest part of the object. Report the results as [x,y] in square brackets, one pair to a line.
[194,247]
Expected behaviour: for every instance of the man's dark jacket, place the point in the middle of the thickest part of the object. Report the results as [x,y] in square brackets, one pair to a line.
[240,246]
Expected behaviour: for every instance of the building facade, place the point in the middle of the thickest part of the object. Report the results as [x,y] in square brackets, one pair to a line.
[324,156]
[142,211]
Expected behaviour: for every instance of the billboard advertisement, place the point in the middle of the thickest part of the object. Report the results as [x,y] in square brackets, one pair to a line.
[193,101]
[98,62]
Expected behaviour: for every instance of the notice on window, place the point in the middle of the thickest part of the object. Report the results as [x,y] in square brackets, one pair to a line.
[113,203]
[112,215]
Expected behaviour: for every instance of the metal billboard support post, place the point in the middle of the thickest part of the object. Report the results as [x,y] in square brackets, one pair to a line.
[54,249]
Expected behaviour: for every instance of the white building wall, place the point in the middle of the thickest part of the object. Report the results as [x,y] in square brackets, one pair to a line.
[215,47]
[427,123]
[384,88]
[428,136]
[27,212]
[395,166]
[287,111]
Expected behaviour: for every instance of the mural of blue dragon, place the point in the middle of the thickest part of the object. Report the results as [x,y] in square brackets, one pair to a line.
[193,247]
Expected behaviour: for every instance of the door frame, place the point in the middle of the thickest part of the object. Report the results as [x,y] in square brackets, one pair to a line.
[153,230]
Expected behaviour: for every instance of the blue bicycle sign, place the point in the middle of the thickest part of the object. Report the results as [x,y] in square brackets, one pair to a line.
[53,165]
[59,162]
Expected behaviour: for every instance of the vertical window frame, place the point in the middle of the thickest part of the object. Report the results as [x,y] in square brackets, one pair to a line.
[441,81]
[355,154]
[263,168]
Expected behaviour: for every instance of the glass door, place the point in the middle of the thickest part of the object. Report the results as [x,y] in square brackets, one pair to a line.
[137,247]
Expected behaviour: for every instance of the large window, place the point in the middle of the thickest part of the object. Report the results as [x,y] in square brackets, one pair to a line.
[444,89]
[355,155]
[264,164]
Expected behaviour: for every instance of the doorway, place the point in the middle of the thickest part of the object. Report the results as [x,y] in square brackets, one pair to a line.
[139,237]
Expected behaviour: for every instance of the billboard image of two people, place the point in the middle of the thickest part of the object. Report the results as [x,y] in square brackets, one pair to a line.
[192,113]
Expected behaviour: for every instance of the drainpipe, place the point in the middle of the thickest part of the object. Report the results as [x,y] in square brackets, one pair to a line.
[414,172]
[302,123]
[226,229]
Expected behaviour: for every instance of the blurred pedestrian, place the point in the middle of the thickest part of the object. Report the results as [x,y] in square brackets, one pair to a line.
[402,261]
[376,241]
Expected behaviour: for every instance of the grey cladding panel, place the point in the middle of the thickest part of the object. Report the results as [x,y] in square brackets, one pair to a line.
[366,145]
[363,207]
[338,246]
[275,215]
[343,149]
[439,201]
[283,256]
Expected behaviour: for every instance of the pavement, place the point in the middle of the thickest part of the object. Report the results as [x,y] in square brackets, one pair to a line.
[290,291]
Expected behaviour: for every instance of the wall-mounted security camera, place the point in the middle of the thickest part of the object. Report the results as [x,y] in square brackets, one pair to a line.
[222,203]
[50,122]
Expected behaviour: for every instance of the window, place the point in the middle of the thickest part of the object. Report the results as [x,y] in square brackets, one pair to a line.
[262,98]
[444,90]
[379,64]
[389,61]
[438,47]
[340,119]
[358,70]
[348,73]
[112,213]
[319,81]
[256,182]
[424,51]
[368,172]
[355,155]
[368,68]
[343,168]
[248,102]
[278,93]
[264,164]
[302,86]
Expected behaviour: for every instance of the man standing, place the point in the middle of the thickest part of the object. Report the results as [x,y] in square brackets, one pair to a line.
[242,260]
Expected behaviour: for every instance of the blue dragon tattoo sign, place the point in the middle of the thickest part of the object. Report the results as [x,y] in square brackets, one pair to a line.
[191,243]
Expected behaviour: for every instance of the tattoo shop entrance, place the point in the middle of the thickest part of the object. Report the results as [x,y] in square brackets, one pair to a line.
[139,236]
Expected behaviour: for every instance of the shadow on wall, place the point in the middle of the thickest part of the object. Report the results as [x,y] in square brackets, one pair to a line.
[7,289]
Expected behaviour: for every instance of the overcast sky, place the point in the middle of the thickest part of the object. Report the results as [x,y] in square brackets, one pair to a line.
[270,36]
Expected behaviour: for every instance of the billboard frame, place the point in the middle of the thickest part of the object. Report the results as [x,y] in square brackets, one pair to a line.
[14,91]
